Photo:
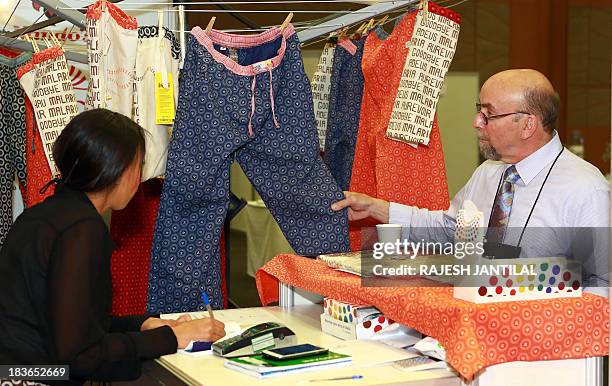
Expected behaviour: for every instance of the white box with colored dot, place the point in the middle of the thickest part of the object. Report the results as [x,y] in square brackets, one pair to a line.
[520,279]
[347,312]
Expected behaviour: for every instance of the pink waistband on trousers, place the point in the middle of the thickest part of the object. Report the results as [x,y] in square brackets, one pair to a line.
[348,45]
[243,41]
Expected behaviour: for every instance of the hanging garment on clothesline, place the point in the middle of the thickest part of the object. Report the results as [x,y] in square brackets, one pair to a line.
[156,53]
[132,228]
[344,109]
[321,84]
[112,39]
[430,54]
[132,231]
[53,98]
[38,172]
[384,168]
[12,137]
[258,111]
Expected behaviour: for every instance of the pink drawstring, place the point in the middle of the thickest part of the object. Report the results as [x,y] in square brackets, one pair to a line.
[252,105]
[253,85]
[272,100]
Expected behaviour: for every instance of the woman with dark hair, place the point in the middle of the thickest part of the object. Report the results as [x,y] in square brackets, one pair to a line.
[56,290]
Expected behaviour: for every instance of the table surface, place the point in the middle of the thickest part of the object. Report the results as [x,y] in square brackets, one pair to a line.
[475,336]
[305,322]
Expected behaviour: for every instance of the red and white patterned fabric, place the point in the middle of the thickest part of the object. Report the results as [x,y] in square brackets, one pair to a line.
[132,231]
[474,335]
[38,172]
[384,168]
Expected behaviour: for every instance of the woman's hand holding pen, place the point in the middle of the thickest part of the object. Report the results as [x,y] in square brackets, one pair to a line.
[152,322]
[186,329]
[205,329]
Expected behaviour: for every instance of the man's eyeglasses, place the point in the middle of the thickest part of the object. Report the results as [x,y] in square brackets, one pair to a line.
[487,118]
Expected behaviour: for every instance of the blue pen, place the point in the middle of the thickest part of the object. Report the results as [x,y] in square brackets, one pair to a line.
[207,304]
[203,346]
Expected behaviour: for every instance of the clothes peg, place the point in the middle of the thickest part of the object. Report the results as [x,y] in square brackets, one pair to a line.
[33,43]
[359,30]
[210,24]
[383,20]
[343,33]
[55,40]
[369,26]
[286,22]
[332,38]
[424,5]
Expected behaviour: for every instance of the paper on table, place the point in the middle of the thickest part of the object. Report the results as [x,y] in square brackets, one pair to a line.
[244,316]
[231,329]
[361,352]
[400,341]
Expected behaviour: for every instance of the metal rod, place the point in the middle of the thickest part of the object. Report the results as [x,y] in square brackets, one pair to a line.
[243,19]
[11,15]
[34,27]
[61,9]
[352,18]
[43,24]
[25,46]
[330,11]
[262,29]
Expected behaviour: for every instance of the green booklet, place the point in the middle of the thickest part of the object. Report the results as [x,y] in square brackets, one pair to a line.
[262,367]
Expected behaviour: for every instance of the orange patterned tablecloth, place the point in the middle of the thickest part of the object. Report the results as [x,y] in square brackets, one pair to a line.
[475,335]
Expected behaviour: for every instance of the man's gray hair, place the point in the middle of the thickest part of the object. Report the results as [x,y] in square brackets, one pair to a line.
[544,104]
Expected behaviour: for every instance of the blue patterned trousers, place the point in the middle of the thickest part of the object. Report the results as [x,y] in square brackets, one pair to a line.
[344,111]
[243,98]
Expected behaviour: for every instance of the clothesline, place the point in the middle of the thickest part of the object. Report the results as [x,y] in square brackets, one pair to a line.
[170,3]
[305,27]
[258,2]
[240,10]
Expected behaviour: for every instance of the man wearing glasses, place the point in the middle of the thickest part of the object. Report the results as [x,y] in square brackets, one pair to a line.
[528,180]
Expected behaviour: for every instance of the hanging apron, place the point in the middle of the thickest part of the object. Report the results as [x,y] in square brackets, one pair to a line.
[53,98]
[112,38]
[12,137]
[157,53]
[38,172]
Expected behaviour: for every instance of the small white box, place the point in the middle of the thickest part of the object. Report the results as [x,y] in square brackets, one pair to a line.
[524,279]
[376,328]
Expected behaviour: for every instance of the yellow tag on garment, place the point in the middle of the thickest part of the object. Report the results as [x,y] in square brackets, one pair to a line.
[164,100]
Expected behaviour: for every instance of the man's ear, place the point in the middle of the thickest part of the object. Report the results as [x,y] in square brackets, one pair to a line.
[529,126]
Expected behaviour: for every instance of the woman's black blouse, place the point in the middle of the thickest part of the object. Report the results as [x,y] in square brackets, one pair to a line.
[55,295]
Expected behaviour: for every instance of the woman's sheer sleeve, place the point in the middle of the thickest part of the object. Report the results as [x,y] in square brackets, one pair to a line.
[80,337]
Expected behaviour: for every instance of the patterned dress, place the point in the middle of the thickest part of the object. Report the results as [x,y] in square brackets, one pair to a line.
[385,168]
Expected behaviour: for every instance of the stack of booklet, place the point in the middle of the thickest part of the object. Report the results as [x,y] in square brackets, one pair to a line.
[261,367]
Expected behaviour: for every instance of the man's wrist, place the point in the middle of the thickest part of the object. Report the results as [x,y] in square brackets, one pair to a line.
[380,210]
